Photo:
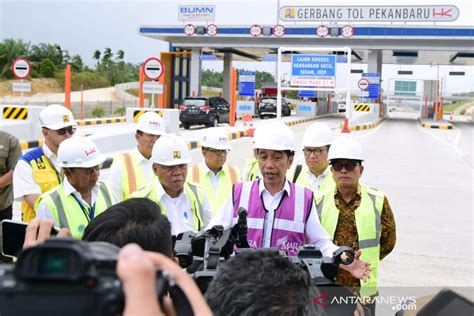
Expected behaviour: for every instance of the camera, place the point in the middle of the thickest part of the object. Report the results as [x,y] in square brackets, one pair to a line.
[66,277]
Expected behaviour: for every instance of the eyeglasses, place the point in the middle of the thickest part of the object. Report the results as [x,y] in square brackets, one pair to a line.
[217,151]
[71,130]
[349,165]
[315,151]
[89,171]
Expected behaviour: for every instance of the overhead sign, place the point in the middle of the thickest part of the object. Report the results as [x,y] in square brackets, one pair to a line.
[21,86]
[400,13]
[313,70]
[255,30]
[347,31]
[153,68]
[189,29]
[196,12]
[363,84]
[212,30]
[21,68]
[307,93]
[322,31]
[278,30]
[152,87]
[247,83]
[270,58]
[208,57]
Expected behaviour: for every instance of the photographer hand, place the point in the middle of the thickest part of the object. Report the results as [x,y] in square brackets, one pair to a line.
[358,269]
[38,230]
[137,271]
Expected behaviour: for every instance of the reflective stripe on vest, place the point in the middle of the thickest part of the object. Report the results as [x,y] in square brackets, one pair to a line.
[59,212]
[45,176]
[289,221]
[196,199]
[133,177]
[368,222]
[303,180]
[226,179]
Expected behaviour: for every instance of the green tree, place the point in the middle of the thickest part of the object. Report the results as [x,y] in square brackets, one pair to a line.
[96,56]
[43,51]
[107,55]
[76,63]
[11,49]
[47,68]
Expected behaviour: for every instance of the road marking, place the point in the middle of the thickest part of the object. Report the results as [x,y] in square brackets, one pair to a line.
[456,149]
[373,131]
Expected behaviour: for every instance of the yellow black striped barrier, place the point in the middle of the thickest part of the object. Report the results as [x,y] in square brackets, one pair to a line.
[15,113]
[138,113]
[101,121]
[362,107]
[440,126]
[365,126]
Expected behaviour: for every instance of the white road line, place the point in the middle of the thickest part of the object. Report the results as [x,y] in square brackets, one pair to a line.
[456,142]
[444,141]
[373,131]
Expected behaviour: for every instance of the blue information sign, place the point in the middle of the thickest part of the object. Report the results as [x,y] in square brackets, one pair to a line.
[305,66]
[374,84]
[307,94]
[207,57]
[247,83]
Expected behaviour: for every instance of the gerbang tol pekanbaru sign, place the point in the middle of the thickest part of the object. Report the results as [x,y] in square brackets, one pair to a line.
[423,13]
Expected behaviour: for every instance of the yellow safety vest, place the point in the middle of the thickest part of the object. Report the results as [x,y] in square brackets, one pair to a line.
[44,175]
[70,213]
[303,179]
[251,165]
[367,218]
[132,175]
[227,179]
[194,193]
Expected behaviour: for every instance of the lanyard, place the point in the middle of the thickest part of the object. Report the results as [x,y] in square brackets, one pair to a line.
[89,213]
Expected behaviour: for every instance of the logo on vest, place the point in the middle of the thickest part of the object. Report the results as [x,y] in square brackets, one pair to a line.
[284,244]
[252,243]
[40,164]
[81,228]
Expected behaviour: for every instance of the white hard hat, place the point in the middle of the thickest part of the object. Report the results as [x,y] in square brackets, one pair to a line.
[56,116]
[79,152]
[345,147]
[274,135]
[170,150]
[151,123]
[317,135]
[216,138]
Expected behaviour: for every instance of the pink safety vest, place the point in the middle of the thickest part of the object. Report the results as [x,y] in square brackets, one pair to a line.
[288,229]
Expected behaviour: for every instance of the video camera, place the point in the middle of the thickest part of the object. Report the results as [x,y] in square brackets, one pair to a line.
[202,253]
[70,277]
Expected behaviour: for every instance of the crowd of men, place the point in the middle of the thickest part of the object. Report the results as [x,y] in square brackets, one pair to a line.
[321,202]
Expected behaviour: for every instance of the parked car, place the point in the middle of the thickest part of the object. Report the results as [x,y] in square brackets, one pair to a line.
[268,107]
[341,106]
[209,111]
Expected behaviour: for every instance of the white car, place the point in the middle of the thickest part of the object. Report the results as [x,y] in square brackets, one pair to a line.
[341,106]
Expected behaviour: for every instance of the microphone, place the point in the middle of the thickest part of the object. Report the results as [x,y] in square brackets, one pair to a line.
[242,227]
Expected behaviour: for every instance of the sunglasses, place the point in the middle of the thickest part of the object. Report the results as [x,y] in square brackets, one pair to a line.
[71,130]
[349,165]
[314,151]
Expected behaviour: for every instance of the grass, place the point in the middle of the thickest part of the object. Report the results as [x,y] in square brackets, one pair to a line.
[45,85]
[453,106]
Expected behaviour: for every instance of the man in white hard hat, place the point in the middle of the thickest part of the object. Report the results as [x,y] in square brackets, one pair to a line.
[133,170]
[355,214]
[280,213]
[37,171]
[215,176]
[81,196]
[315,174]
[185,204]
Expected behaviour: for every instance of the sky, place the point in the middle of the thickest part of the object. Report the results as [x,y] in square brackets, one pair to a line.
[81,27]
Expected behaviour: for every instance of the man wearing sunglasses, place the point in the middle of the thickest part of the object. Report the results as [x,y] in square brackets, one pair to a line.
[81,196]
[356,215]
[315,174]
[132,170]
[280,213]
[215,176]
[37,171]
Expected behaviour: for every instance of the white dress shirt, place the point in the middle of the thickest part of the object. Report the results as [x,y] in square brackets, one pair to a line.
[316,181]
[44,212]
[315,233]
[23,181]
[179,210]
[116,174]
